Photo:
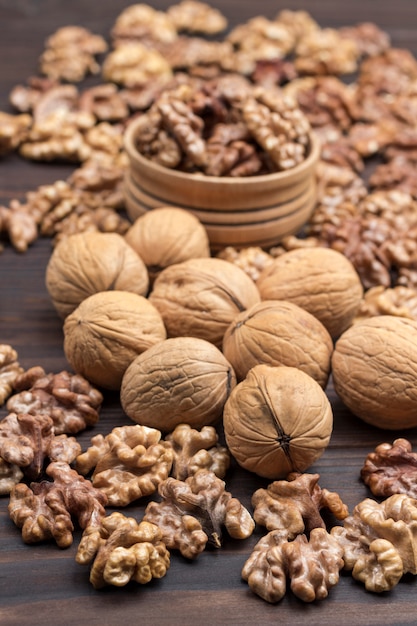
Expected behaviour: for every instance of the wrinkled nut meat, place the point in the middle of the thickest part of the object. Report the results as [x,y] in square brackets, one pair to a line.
[10,475]
[128,463]
[121,549]
[141,21]
[201,297]
[193,513]
[374,371]
[45,510]
[13,131]
[320,280]
[197,17]
[90,262]
[391,469]
[69,399]
[278,333]
[179,380]
[379,300]
[276,421]
[312,565]
[293,506]
[197,449]
[27,440]
[10,369]
[107,331]
[165,236]
[380,541]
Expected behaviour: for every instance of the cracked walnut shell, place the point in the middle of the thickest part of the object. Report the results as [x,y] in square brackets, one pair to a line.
[107,331]
[179,380]
[276,421]
[375,373]
[89,262]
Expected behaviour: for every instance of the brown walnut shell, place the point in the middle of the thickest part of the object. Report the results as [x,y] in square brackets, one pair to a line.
[276,421]
[89,262]
[320,280]
[167,235]
[180,380]
[276,332]
[374,366]
[107,331]
[201,297]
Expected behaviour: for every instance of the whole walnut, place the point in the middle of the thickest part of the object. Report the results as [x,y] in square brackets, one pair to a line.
[107,331]
[374,367]
[88,262]
[201,297]
[276,332]
[320,280]
[276,421]
[167,235]
[179,380]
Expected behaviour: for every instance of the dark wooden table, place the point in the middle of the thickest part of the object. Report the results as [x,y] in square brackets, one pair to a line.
[41,584]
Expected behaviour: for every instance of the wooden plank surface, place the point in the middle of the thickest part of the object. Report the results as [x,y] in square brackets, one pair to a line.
[42,584]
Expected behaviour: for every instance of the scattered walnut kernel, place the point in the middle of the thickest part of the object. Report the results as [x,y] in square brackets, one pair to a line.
[324,51]
[293,506]
[105,102]
[71,402]
[399,300]
[391,469]
[194,511]
[132,64]
[10,369]
[261,38]
[142,22]
[379,541]
[14,130]
[312,565]
[24,97]
[70,54]
[129,463]
[197,17]
[27,440]
[122,550]
[45,510]
[197,449]
[252,260]
[369,38]
[10,475]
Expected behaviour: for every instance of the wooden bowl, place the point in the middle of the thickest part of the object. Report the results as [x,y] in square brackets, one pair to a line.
[256,210]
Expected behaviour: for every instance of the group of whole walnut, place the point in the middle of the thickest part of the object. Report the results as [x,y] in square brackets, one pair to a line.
[186,337]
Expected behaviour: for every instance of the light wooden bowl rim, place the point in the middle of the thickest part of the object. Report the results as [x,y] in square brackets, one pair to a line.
[275,179]
[134,194]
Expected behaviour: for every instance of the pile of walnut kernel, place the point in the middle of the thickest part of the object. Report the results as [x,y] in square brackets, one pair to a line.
[366,120]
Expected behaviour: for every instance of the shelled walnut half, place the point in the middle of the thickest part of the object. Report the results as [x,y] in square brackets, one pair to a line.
[121,550]
[193,513]
[312,565]
[390,469]
[129,463]
[380,541]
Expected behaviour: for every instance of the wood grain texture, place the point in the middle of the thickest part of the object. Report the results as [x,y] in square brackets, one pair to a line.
[42,584]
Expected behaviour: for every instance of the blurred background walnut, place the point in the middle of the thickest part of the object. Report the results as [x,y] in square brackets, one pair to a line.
[165,236]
